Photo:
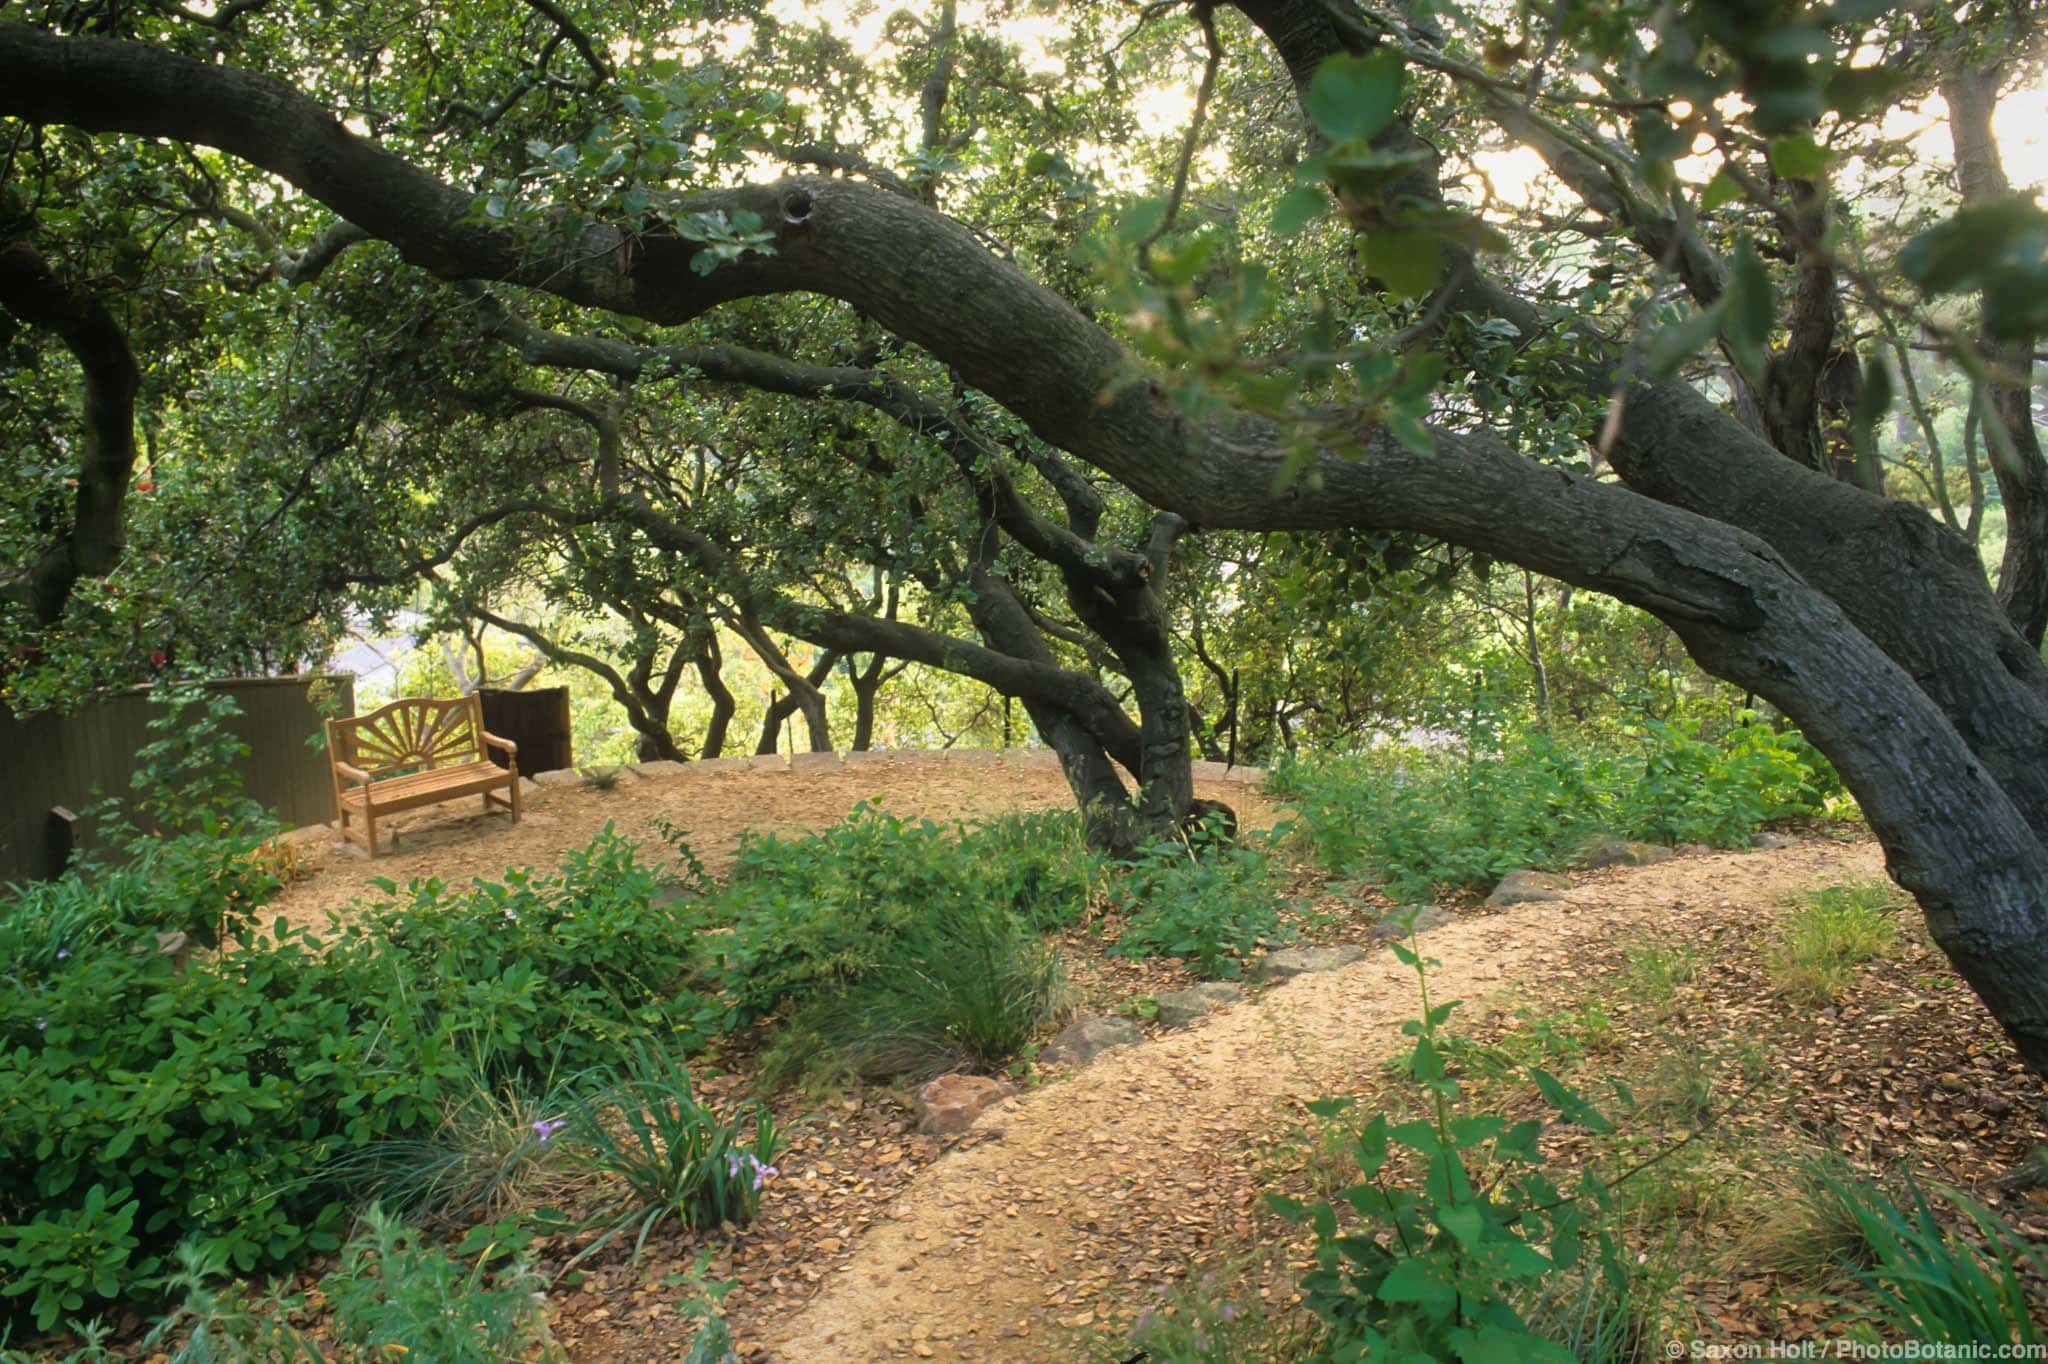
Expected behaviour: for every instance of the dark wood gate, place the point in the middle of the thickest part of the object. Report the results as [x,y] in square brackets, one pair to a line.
[536,720]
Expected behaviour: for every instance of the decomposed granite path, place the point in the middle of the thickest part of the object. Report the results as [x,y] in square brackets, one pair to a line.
[1104,1180]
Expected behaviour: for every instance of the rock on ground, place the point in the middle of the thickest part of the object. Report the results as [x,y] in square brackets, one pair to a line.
[1082,1040]
[1300,961]
[1772,842]
[1526,887]
[1622,853]
[949,1105]
[1391,929]
[1183,1007]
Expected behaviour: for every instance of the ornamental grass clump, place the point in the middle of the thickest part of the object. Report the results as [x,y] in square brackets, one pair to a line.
[672,1156]
[965,988]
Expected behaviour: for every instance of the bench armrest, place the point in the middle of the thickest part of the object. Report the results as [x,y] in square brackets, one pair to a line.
[494,741]
[352,772]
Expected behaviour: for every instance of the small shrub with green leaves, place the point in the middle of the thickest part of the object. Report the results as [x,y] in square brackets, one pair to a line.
[220,1102]
[396,1296]
[712,1342]
[1458,1265]
[813,913]
[81,1254]
[192,863]
[1037,863]
[825,909]
[1688,789]
[675,1157]
[214,1322]
[546,972]
[1421,822]
[1212,909]
[1831,932]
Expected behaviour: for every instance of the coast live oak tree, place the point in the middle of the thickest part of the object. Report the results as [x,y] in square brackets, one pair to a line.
[1319,339]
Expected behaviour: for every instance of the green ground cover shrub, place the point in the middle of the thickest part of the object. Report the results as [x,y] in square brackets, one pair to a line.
[966,988]
[144,1103]
[1211,908]
[538,972]
[1454,1243]
[396,1297]
[829,909]
[1419,821]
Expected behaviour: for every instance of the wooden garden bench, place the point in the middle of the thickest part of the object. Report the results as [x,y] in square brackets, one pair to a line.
[416,752]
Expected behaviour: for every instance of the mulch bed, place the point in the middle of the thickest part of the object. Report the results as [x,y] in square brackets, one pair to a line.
[1907,1074]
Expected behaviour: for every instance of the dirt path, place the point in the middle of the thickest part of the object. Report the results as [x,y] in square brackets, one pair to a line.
[1001,1251]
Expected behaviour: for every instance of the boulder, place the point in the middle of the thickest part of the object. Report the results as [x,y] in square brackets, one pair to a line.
[1390,929]
[1525,887]
[1618,852]
[1693,850]
[660,767]
[1771,841]
[704,765]
[949,1105]
[1209,823]
[1183,1007]
[175,945]
[561,776]
[1300,961]
[768,762]
[1084,1039]
[671,893]
[814,762]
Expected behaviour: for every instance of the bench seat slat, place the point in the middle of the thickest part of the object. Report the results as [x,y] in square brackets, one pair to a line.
[424,788]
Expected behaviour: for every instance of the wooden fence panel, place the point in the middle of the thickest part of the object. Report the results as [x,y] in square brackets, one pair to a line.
[71,760]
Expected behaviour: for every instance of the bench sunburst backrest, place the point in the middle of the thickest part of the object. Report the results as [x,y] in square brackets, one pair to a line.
[413,733]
